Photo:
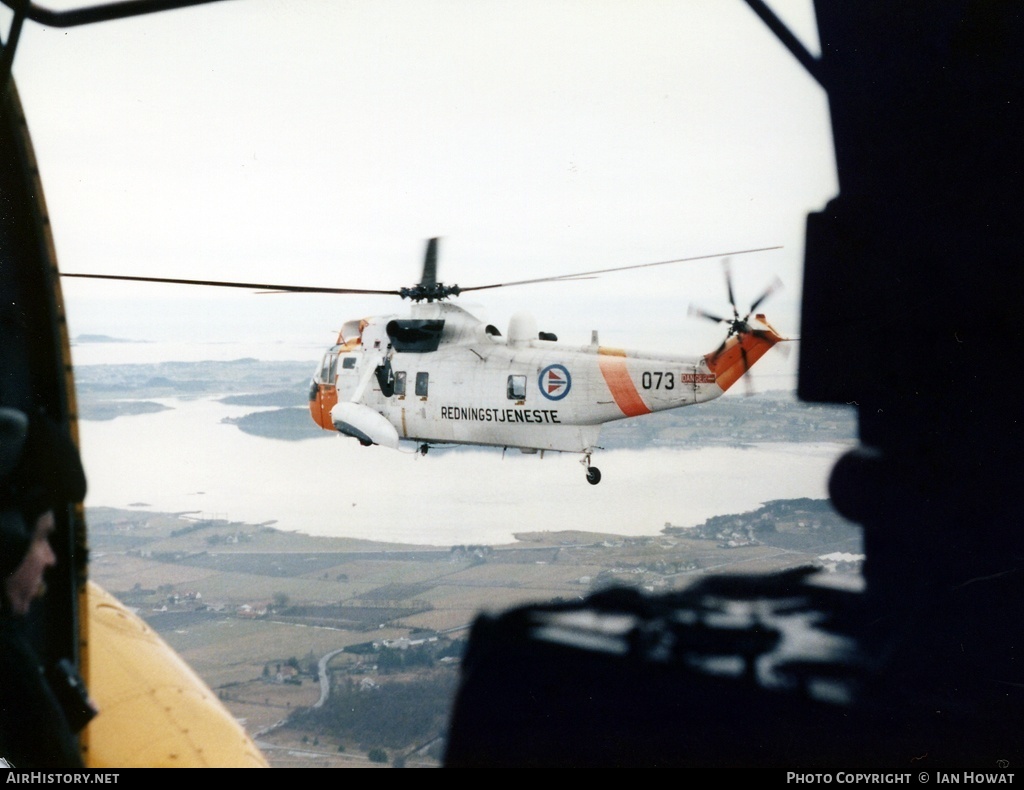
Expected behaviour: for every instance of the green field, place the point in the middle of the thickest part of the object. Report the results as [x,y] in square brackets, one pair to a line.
[241,601]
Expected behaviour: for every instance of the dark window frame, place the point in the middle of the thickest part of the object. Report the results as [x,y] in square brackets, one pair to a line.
[515,388]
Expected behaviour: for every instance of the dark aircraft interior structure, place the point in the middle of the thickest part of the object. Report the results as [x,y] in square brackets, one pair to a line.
[912,290]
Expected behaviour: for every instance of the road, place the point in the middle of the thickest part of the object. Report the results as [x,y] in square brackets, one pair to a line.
[325,679]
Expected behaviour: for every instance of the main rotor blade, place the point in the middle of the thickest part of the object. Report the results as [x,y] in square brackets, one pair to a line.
[595,272]
[429,273]
[429,277]
[310,289]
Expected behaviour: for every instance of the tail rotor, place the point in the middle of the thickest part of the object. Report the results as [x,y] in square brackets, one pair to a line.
[737,326]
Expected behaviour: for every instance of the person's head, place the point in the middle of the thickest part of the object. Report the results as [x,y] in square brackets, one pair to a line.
[25,583]
[40,471]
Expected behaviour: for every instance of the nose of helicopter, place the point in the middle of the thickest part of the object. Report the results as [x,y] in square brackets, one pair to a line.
[322,398]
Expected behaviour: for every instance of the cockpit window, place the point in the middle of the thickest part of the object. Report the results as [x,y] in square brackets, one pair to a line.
[348,363]
[329,369]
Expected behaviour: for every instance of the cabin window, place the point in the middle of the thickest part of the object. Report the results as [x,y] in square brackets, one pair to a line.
[348,363]
[400,382]
[422,382]
[516,389]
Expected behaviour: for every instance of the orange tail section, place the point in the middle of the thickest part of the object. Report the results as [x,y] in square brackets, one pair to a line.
[741,351]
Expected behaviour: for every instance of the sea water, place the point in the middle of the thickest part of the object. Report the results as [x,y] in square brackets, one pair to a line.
[185,459]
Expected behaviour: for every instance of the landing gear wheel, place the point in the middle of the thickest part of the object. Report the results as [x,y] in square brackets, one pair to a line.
[593,475]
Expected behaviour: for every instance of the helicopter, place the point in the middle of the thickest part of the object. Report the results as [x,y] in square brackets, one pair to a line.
[442,376]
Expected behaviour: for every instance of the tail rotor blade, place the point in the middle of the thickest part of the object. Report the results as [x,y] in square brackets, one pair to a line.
[776,285]
[785,349]
[728,286]
[699,313]
[748,382]
[719,350]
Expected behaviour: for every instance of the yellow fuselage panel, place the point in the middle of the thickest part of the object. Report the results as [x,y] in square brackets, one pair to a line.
[155,712]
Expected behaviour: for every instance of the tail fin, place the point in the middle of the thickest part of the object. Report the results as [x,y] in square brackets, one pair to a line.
[741,350]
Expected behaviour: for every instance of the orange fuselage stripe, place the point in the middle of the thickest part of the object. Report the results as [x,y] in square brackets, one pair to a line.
[613,367]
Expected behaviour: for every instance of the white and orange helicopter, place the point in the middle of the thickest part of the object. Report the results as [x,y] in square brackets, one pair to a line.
[442,376]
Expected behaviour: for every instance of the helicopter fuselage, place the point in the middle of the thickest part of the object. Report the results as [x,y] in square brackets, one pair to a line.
[443,376]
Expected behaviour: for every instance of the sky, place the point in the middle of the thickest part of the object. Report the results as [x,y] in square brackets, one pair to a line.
[321,143]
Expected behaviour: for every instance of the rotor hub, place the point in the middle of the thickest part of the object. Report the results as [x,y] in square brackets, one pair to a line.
[429,292]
